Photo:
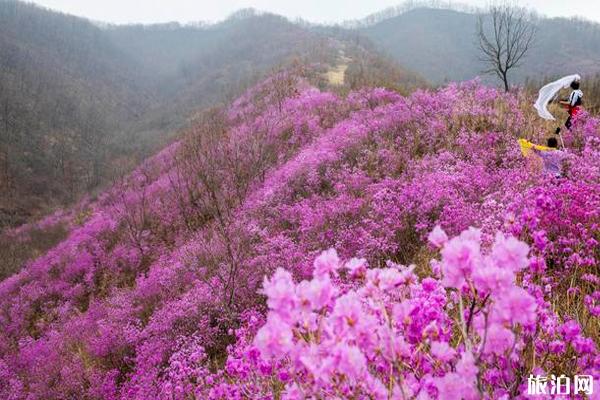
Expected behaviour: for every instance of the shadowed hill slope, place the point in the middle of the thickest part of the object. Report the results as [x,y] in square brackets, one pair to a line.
[82,103]
[60,78]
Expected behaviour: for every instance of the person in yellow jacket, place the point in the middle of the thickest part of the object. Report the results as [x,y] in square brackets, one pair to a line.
[551,156]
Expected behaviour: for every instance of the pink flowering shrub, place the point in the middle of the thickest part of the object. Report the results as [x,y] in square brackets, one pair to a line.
[354,332]
[158,289]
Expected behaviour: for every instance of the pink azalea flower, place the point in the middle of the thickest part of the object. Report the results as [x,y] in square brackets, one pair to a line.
[490,278]
[516,306]
[499,339]
[327,263]
[280,292]
[274,339]
[293,392]
[466,366]
[557,347]
[442,351]
[347,313]
[460,256]
[318,292]
[320,367]
[357,267]
[437,237]
[570,330]
[583,345]
[389,279]
[453,386]
[131,278]
[392,345]
[349,361]
[401,312]
[459,384]
[472,234]
[540,240]
[510,253]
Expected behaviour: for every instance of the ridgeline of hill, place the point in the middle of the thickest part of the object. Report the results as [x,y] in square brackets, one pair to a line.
[441,44]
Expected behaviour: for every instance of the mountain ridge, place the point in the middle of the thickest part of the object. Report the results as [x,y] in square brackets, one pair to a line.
[419,35]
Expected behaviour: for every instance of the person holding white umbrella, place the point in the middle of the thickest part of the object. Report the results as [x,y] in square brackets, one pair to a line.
[573,102]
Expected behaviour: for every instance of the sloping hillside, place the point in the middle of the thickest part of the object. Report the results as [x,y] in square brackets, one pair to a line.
[156,290]
[442,45]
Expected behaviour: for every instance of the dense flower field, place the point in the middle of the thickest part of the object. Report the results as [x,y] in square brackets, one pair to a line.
[301,244]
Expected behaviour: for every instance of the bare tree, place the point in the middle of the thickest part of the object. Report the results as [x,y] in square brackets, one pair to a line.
[505,43]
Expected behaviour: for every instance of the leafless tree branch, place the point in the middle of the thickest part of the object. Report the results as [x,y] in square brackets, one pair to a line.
[505,39]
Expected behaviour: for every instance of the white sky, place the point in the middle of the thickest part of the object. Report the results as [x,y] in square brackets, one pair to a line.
[148,11]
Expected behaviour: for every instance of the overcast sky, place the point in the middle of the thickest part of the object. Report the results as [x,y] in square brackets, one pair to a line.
[147,11]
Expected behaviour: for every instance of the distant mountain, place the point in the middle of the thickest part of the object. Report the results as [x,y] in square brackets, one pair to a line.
[198,65]
[193,67]
[442,46]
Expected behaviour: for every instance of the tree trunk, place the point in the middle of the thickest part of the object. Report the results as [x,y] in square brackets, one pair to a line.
[505,80]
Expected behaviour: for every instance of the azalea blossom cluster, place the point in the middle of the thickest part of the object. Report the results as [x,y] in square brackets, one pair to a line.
[158,291]
[385,333]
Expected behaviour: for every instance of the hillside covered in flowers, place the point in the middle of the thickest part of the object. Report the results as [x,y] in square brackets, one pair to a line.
[305,244]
